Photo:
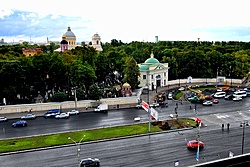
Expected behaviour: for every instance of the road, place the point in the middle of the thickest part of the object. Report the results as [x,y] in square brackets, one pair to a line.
[214,115]
[154,150]
[147,151]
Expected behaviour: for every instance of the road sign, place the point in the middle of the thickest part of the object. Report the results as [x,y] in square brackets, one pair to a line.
[144,105]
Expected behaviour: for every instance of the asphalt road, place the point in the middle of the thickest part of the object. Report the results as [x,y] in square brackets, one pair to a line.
[154,150]
[160,150]
[213,115]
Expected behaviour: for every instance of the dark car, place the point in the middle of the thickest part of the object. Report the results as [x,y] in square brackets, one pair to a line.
[20,123]
[90,162]
[229,97]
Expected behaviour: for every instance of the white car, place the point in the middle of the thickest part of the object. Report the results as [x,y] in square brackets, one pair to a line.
[62,115]
[29,116]
[207,103]
[237,98]
[181,89]
[3,119]
[154,105]
[219,94]
[73,112]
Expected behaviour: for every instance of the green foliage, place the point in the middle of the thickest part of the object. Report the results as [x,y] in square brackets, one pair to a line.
[131,72]
[59,97]
[94,92]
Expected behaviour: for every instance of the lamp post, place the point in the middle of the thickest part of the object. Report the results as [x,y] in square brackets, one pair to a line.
[243,124]
[75,97]
[79,147]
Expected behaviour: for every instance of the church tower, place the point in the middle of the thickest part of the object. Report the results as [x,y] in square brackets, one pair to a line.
[64,44]
[96,42]
[71,39]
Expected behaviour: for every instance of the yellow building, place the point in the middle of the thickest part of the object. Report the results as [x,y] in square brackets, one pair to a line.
[70,38]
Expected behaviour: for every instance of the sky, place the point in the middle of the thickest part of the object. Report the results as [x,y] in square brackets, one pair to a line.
[125,20]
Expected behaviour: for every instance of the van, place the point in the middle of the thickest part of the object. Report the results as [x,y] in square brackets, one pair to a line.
[51,113]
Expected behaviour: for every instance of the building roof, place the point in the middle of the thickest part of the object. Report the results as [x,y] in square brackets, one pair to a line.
[149,62]
[69,33]
[64,42]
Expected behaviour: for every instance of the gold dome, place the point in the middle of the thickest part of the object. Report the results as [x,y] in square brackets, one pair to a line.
[126,84]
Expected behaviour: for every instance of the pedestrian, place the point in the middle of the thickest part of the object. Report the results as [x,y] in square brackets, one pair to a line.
[222,126]
[228,126]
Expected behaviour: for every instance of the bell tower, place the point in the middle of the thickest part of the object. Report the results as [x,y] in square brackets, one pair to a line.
[96,42]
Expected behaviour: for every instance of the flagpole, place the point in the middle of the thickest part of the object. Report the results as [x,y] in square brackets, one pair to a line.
[149,115]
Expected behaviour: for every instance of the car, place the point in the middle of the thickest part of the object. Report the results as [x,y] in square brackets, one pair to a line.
[29,116]
[193,144]
[154,105]
[216,101]
[170,96]
[240,93]
[20,123]
[73,112]
[90,162]
[62,115]
[3,119]
[237,98]
[51,113]
[229,97]
[219,94]
[207,103]
[181,89]
[208,97]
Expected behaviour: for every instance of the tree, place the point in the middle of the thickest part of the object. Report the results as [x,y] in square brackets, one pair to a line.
[131,72]
[95,92]
[82,75]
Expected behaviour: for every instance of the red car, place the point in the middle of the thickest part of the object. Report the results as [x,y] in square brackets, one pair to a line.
[216,101]
[208,97]
[193,144]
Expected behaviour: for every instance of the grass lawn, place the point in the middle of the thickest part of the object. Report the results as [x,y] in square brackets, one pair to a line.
[19,144]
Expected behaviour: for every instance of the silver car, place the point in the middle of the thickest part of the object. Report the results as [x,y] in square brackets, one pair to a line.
[3,119]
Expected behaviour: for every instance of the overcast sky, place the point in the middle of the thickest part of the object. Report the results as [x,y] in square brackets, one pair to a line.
[125,20]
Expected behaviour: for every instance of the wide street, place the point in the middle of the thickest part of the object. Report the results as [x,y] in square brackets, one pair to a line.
[154,150]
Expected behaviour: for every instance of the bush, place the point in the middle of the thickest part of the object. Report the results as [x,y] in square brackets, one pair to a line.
[59,97]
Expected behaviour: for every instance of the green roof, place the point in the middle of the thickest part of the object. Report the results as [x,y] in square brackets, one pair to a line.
[152,60]
[144,67]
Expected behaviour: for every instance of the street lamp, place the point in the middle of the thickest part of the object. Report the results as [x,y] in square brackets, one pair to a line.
[79,147]
[75,97]
[243,124]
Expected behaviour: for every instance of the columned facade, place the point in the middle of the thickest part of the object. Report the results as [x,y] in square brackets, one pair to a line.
[153,73]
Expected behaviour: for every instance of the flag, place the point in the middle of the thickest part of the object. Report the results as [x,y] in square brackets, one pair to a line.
[198,120]
[154,113]
[144,105]
[186,140]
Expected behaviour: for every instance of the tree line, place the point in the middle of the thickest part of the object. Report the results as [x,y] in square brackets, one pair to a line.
[54,76]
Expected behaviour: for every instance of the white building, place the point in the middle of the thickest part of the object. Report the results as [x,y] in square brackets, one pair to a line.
[153,73]
[96,42]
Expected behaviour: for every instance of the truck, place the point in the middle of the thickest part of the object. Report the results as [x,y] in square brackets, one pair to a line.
[101,108]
